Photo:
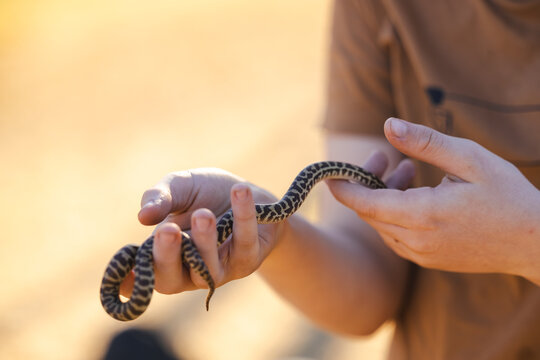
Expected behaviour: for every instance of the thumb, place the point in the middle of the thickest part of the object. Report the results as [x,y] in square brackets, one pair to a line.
[156,204]
[455,156]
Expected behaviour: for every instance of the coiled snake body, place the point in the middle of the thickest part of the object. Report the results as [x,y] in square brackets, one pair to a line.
[140,258]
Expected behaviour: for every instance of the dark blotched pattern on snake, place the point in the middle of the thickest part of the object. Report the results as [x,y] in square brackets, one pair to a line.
[139,259]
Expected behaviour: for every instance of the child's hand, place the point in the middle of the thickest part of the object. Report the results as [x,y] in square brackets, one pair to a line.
[189,200]
[483,217]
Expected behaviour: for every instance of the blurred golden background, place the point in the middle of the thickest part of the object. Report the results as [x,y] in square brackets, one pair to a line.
[99,100]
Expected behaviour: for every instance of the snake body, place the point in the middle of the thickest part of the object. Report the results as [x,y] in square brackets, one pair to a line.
[140,258]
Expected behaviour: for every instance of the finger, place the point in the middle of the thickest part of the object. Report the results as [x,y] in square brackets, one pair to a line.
[168,267]
[244,254]
[156,204]
[376,163]
[392,236]
[386,205]
[402,176]
[454,155]
[173,194]
[409,241]
[203,231]
[397,247]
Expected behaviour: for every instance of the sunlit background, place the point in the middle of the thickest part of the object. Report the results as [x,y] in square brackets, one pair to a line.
[100,99]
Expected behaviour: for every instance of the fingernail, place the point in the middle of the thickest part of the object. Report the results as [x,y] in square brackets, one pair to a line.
[202,223]
[152,203]
[240,193]
[398,127]
[167,238]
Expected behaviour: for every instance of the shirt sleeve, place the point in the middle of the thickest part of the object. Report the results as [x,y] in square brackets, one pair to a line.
[359,96]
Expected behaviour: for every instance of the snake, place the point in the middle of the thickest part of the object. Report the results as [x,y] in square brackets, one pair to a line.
[139,259]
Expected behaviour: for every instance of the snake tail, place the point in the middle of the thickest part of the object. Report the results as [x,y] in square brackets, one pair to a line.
[192,258]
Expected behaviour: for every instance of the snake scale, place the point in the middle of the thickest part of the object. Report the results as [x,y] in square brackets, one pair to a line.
[139,259]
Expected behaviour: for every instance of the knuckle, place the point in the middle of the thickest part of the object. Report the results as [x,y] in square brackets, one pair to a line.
[427,219]
[152,194]
[243,265]
[167,289]
[476,151]
[198,281]
[243,268]
[244,214]
[429,141]
[422,245]
[364,207]
[245,243]
[427,212]
[177,178]
[369,211]
[475,159]
[426,262]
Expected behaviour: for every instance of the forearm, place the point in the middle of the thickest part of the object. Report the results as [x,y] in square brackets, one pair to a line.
[340,281]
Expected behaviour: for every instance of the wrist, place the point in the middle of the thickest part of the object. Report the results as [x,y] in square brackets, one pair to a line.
[530,249]
[283,249]
[273,233]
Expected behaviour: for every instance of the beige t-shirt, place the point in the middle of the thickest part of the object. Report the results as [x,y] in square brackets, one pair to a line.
[469,68]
